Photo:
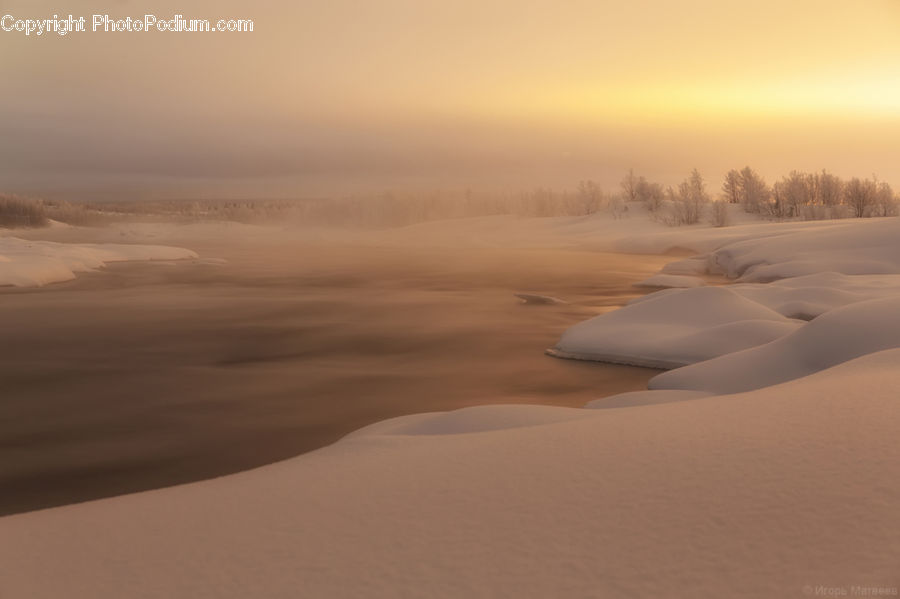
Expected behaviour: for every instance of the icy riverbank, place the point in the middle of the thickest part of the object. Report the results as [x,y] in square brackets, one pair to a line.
[768,470]
[27,263]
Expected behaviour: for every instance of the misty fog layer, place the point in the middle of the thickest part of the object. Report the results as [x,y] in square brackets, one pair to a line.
[340,97]
[148,375]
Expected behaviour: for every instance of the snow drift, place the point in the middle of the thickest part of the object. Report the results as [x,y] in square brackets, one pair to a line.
[26,263]
[674,328]
[837,336]
[859,248]
[816,270]
[764,492]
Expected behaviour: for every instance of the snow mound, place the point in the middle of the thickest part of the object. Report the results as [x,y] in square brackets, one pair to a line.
[871,247]
[666,280]
[798,272]
[674,328]
[809,296]
[833,338]
[26,263]
[476,419]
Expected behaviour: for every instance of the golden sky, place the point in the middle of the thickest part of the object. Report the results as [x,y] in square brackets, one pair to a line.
[343,96]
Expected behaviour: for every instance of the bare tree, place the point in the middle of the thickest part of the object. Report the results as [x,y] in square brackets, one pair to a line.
[21,212]
[629,186]
[830,188]
[589,197]
[859,195]
[793,192]
[731,189]
[885,201]
[651,194]
[754,192]
[719,216]
[617,207]
[692,197]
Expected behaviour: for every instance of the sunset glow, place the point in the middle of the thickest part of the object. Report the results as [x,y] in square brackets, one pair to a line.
[504,94]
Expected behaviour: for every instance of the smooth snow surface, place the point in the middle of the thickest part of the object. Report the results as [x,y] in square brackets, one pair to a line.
[837,336]
[674,328]
[645,398]
[859,248]
[751,495]
[25,263]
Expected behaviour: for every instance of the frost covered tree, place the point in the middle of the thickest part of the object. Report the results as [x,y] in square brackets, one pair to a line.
[651,194]
[754,193]
[694,188]
[719,216]
[830,188]
[629,186]
[860,195]
[885,201]
[731,189]
[793,192]
[691,199]
[589,197]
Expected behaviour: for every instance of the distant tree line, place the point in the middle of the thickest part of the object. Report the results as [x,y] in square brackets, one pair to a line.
[21,212]
[798,195]
[810,195]
[684,204]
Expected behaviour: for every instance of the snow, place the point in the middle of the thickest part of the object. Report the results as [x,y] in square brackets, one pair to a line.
[818,270]
[674,328]
[645,398]
[688,266]
[663,281]
[753,495]
[768,465]
[25,263]
[856,249]
[834,337]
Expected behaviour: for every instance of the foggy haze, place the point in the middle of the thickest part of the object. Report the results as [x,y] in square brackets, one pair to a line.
[342,97]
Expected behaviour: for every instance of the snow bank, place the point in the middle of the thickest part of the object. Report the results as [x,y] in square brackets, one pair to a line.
[818,269]
[26,263]
[809,296]
[663,281]
[867,247]
[757,495]
[674,328]
[645,398]
[701,239]
[834,337]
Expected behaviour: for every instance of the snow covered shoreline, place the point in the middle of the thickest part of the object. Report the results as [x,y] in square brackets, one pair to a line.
[783,281]
[26,263]
[770,464]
